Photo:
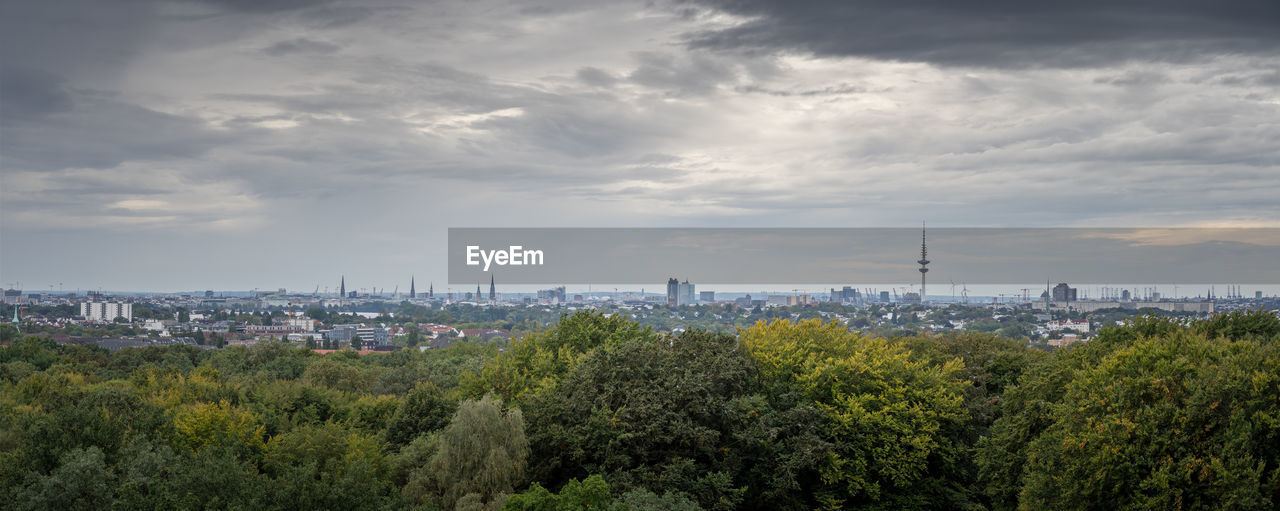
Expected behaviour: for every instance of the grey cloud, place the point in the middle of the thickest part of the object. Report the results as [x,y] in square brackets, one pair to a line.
[301,45]
[28,93]
[1000,33]
[596,77]
[102,133]
[695,74]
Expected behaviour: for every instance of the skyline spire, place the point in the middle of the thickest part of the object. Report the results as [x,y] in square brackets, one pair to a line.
[492,296]
[924,262]
[413,293]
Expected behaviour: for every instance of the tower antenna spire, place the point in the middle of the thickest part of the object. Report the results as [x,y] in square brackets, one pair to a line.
[924,262]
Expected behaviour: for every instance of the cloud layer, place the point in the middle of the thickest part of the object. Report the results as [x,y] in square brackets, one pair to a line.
[281,143]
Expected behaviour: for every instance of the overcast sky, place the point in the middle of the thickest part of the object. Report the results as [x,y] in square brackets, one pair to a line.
[236,144]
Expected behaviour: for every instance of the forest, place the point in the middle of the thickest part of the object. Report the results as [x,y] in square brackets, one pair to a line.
[600,412]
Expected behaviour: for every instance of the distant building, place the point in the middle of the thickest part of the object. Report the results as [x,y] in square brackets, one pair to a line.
[680,293]
[1064,293]
[707,296]
[555,294]
[687,294]
[1066,340]
[372,335]
[845,294]
[1126,296]
[1065,324]
[803,299]
[106,311]
[341,333]
[484,334]
[884,296]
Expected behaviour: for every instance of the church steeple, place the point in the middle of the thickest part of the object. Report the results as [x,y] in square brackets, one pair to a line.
[413,293]
[492,296]
[342,288]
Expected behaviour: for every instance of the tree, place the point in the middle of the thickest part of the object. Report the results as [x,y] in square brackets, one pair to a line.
[887,413]
[1149,415]
[538,360]
[8,333]
[424,409]
[311,342]
[591,493]
[479,461]
[81,482]
[661,413]
[413,338]
[356,343]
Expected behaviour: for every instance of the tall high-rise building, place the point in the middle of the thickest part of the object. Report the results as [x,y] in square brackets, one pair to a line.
[673,291]
[924,264]
[1064,293]
[687,294]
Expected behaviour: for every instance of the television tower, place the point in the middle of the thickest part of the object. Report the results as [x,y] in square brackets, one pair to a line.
[924,262]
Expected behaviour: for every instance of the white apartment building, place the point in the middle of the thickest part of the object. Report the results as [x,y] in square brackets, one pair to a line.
[106,311]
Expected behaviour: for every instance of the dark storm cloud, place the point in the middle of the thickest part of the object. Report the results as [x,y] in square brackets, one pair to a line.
[28,93]
[97,132]
[1000,33]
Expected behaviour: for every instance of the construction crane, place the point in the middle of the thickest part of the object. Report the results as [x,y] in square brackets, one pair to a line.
[964,292]
[316,293]
[1026,294]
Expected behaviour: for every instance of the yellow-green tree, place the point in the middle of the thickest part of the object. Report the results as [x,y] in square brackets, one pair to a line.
[888,413]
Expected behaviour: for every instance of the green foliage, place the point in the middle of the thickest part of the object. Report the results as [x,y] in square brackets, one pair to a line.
[479,460]
[424,410]
[591,493]
[641,499]
[539,360]
[81,482]
[887,412]
[655,412]
[1155,414]
[1149,415]
[328,467]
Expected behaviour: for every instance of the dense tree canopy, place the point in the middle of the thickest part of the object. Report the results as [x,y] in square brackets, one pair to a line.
[599,412]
